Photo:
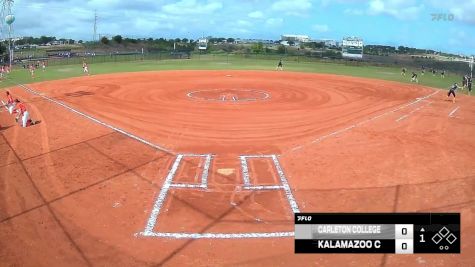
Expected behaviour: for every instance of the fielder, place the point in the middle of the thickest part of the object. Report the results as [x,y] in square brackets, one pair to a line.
[280,66]
[452,91]
[85,68]
[32,71]
[403,72]
[414,78]
[10,105]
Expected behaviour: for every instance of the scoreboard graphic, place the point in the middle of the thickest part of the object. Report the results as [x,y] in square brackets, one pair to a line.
[398,233]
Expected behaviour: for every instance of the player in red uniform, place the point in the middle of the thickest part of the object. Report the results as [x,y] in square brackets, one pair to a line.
[23,115]
[10,105]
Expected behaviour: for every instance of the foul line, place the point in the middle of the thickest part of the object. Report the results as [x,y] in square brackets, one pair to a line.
[451,114]
[321,138]
[161,197]
[96,120]
[408,114]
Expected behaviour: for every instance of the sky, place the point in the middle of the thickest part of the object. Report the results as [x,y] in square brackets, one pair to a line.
[441,25]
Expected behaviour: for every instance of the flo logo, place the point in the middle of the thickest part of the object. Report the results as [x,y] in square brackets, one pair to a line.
[442,17]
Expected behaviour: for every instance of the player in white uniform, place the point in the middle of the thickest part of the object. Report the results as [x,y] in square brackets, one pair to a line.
[85,68]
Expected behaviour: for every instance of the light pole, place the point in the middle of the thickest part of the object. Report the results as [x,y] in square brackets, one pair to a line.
[471,68]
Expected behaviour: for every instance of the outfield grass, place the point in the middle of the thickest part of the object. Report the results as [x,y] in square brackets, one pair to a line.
[227,62]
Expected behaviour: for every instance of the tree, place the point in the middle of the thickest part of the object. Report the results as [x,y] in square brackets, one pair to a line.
[258,48]
[184,40]
[80,42]
[230,40]
[45,39]
[104,40]
[281,49]
[117,39]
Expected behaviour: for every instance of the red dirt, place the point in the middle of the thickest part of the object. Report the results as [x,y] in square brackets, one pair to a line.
[75,193]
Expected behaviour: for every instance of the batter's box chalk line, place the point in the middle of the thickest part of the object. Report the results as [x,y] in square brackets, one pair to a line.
[169,184]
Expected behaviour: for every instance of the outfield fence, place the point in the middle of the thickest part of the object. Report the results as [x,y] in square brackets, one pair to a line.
[383,61]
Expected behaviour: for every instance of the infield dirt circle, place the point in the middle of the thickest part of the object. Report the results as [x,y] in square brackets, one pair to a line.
[208,167]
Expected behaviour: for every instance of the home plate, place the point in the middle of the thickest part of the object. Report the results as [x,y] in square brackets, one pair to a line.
[229,75]
[226,172]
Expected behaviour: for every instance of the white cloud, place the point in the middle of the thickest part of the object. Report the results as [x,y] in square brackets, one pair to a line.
[192,7]
[400,9]
[292,7]
[356,12]
[321,27]
[256,15]
[274,22]
[244,23]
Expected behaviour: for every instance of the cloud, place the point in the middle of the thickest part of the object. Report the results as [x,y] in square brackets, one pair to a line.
[292,7]
[274,22]
[192,7]
[321,27]
[244,23]
[352,11]
[256,15]
[400,9]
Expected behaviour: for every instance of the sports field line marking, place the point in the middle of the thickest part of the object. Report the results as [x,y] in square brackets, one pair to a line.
[204,176]
[402,117]
[97,120]
[160,200]
[161,196]
[195,186]
[218,235]
[245,171]
[264,187]
[451,114]
[413,111]
[285,183]
[348,128]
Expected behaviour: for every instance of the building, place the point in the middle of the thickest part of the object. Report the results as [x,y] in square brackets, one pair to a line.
[202,44]
[352,47]
[295,38]
[327,42]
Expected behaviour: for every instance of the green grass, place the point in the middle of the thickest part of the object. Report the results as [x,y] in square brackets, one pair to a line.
[221,62]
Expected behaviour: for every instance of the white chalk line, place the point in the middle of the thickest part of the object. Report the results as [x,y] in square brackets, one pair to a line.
[194,186]
[245,171]
[413,111]
[151,223]
[287,189]
[344,130]
[162,196]
[218,235]
[204,176]
[234,98]
[264,187]
[97,120]
[451,114]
